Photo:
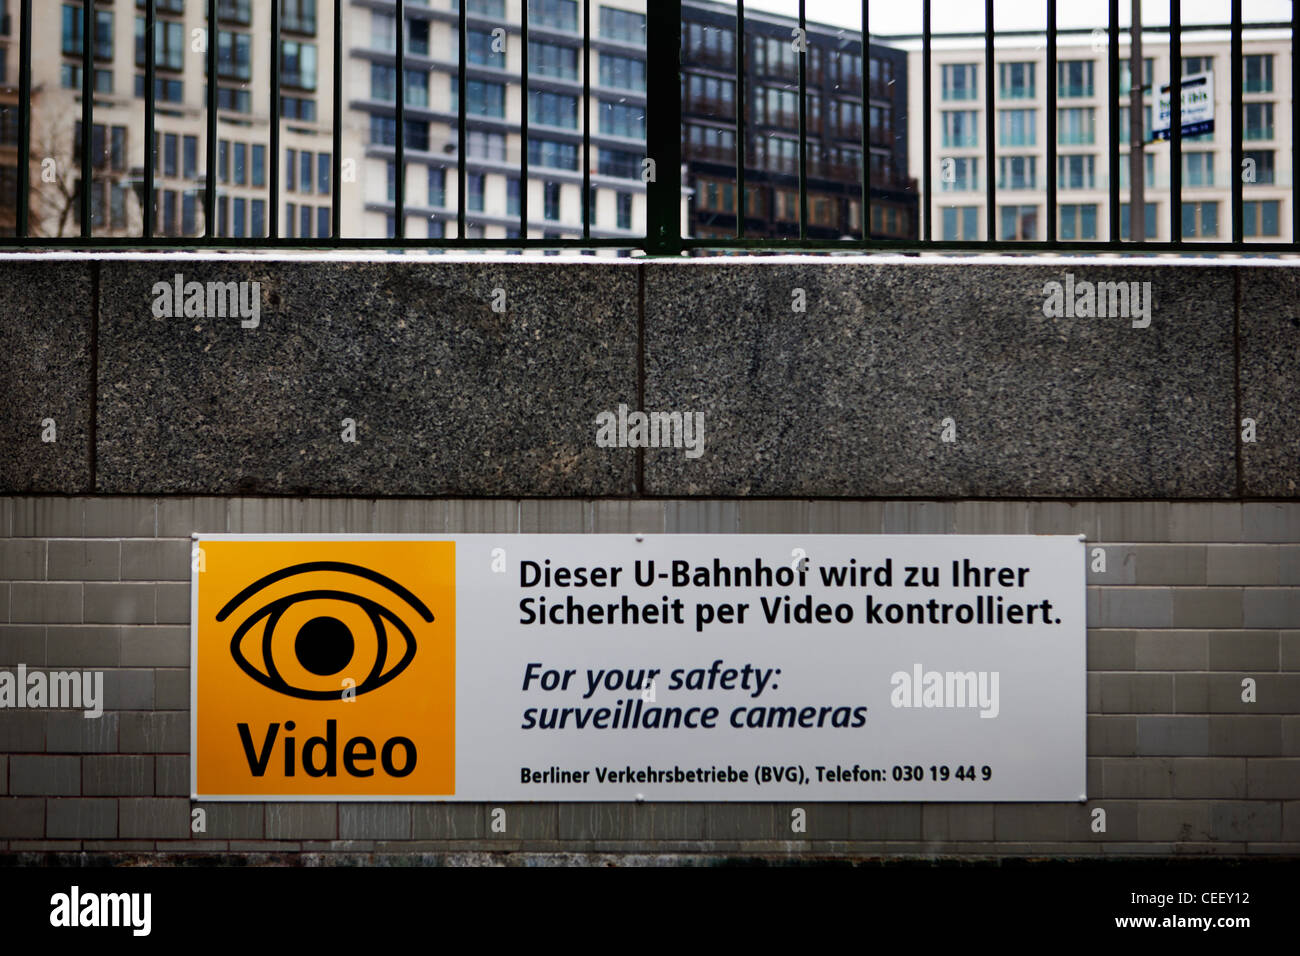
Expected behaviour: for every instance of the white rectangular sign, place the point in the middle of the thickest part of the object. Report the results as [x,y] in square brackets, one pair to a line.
[1198,107]
[659,667]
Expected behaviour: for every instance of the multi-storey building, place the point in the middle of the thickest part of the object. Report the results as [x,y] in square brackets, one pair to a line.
[958,205]
[836,114]
[494,117]
[839,111]
[180,143]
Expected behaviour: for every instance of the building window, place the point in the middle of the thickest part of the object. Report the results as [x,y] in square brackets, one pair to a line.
[961,223]
[234,55]
[437,187]
[617,163]
[619,119]
[1017,80]
[553,109]
[239,206]
[1260,218]
[323,173]
[1149,175]
[1126,76]
[557,14]
[1258,71]
[622,25]
[304,174]
[479,49]
[241,164]
[1077,221]
[548,59]
[1200,220]
[1197,64]
[1017,127]
[482,98]
[624,210]
[959,81]
[551,201]
[257,219]
[1018,222]
[958,173]
[512,196]
[168,45]
[1198,169]
[1261,167]
[1259,121]
[1017,172]
[618,72]
[1149,224]
[290,170]
[190,157]
[483,145]
[322,222]
[169,156]
[474,186]
[298,64]
[417,37]
[1124,129]
[259,164]
[960,128]
[1074,78]
[189,214]
[1076,126]
[298,16]
[554,155]
[1076,172]
[304,221]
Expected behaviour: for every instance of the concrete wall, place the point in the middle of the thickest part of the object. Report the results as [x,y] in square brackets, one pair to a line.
[822,421]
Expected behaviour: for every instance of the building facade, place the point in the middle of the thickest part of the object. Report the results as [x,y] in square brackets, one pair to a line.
[842,119]
[837,115]
[243,165]
[958,205]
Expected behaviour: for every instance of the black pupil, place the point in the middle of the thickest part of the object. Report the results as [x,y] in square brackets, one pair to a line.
[324,645]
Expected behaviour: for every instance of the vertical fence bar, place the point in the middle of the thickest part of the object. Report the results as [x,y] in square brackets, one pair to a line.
[865,205]
[462,166]
[523,121]
[587,210]
[927,133]
[1175,120]
[1295,83]
[803,120]
[273,143]
[150,116]
[742,207]
[23,199]
[1238,125]
[990,179]
[1112,116]
[1050,133]
[210,147]
[87,107]
[664,127]
[399,168]
[336,171]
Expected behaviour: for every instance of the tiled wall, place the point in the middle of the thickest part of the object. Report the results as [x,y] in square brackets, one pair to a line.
[1197,596]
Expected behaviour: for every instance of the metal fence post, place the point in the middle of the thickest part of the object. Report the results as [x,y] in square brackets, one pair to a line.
[664,128]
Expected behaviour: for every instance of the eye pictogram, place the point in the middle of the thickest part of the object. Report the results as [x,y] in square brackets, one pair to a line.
[324,632]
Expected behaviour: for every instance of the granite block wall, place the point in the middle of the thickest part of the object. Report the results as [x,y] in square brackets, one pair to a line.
[861,396]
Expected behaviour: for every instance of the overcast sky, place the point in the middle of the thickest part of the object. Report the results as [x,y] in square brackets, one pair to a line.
[904,16]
